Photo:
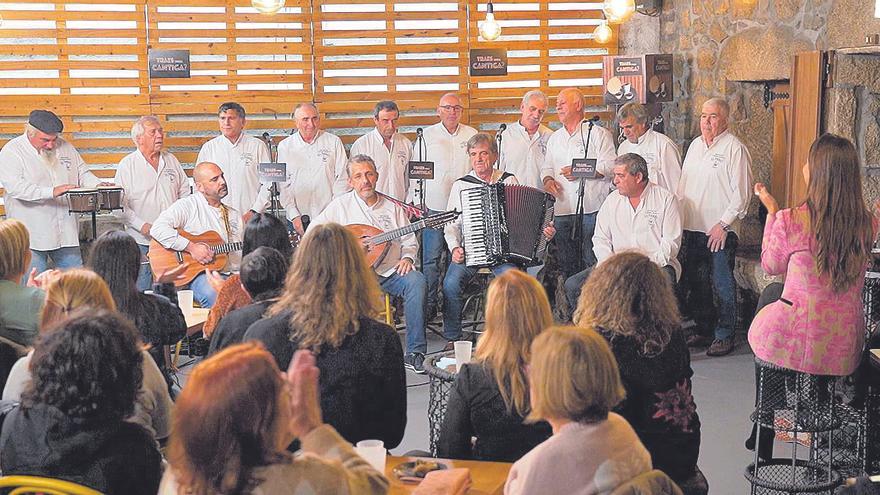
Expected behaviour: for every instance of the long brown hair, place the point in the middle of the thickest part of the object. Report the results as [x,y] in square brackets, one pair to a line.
[15,243]
[71,290]
[227,421]
[629,295]
[841,225]
[517,310]
[328,288]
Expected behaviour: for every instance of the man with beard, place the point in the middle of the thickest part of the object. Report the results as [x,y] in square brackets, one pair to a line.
[196,214]
[37,169]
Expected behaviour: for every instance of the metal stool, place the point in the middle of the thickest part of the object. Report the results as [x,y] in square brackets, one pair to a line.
[440,384]
[475,302]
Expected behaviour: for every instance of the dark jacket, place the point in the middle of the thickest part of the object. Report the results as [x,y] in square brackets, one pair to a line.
[476,409]
[159,319]
[231,329]
[362,383]
[113,457]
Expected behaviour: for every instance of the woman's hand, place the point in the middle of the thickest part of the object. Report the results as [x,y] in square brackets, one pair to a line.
[42,280]
[766,199]
[215,280]
[302,380]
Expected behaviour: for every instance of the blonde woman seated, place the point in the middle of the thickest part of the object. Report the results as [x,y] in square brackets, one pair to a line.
[234,419]
[20,305]
[574,384]
[490,398]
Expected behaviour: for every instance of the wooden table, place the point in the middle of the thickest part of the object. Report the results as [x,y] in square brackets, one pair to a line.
[195,320]
[487,478]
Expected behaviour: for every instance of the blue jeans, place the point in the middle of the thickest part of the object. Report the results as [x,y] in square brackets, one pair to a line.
[202,291]
[457,275]
[63,258]
[433,244]
[413,289]
[145,275]
[707,287]
[567,247]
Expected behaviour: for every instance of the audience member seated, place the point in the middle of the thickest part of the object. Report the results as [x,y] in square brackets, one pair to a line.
[19,305]
[71,422]
[637,313]
[262,276]
[262,229]
[490,398]
[328,306]
[574,384]
[236,415]
[78,288]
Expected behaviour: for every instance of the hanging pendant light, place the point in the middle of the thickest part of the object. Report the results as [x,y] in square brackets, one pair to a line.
[603,32]
[268,6]
[489,29]
[618,11]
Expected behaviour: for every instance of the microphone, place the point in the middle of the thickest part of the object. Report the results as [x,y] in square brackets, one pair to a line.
[266,137]
[592,120]
[419,131]
[502,128]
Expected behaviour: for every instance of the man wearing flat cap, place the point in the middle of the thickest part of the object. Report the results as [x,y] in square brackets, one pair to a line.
[37,169]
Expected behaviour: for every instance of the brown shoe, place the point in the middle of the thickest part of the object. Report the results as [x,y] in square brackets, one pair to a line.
[697,340]
[720,347]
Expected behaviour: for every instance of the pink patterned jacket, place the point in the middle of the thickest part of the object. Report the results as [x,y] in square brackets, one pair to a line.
[810,329]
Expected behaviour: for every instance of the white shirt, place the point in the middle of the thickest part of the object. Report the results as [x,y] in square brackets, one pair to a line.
[391,164]
[29,181]
[239,161]
[562,147]
[452,231]
[384,215]
[148,191]
[315,173]
[451,161]
[523,155]
[194,215]
[664,160]
[716,183]
[652,228]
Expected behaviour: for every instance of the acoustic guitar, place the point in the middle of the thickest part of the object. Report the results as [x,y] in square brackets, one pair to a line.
[376,242]
[163,259]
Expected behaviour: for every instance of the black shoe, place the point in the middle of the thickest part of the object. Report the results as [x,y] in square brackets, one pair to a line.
[414,362]
[720,347]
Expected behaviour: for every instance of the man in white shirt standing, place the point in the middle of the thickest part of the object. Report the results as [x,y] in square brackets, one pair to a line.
[445,143]
[152,180]
[664,160]
[196,214]
[238,155]
[524,143]
[716,180]
[37,169]
[639,215]
[565,144]
[389,150]
[396,271]
[315,167]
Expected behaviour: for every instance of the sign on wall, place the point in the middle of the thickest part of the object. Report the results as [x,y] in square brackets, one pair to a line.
[169,63]
[488,62]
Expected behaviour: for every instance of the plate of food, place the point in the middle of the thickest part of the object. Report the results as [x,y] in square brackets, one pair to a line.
[415,471]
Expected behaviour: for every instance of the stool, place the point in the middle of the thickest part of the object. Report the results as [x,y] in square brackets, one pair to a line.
[475,302]
[803,405]
[388,310]
[440,383]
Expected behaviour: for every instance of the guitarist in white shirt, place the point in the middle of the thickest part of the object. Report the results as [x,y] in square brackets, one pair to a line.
[396,272]
[196,214]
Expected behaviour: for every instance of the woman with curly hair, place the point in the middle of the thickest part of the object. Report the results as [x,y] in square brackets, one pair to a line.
[629,300]
[329,305]
[71,423]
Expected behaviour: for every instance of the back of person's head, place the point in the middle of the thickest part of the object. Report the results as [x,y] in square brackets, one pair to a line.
[573,375]
[264,229]
[263,272]
[89,365]
[328,287]
[629,295]
[15,243]
[517,310]
[71,290]
[841,224]
[227,420]
[116,257]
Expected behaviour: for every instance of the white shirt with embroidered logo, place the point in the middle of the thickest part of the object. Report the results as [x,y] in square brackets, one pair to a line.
[662,155]
[315,173]
[29,181]
[148,191]
[239,162]
[716,183]
[523,155]
[391,164]
[195,216]
[453,231]
[451,161]
[653,227]
[562,148]
[350,209]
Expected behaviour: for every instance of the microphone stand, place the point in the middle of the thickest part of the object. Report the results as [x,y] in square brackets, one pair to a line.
[499,137]
[577,234]
[274,201]
[420,142]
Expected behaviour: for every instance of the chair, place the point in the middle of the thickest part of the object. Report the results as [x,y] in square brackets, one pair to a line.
[654,482]
[475,302]
[22,485]
[388,310]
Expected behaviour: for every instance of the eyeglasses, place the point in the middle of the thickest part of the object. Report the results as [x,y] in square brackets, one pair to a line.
[452,108]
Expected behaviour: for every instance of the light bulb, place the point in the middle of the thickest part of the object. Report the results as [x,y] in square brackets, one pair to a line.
[618,11]
[267,6]
[489,29]
[603,33]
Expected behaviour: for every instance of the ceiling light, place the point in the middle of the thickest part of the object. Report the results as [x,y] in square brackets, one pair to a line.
[603,32]
[267,6]
[618,11]
[489,29]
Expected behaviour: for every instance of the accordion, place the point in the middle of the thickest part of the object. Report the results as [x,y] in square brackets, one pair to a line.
[504,223]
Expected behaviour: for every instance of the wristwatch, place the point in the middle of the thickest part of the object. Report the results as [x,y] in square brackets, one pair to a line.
[725,227]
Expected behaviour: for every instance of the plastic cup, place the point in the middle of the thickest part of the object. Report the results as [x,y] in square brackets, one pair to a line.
[185,301]
[372,451]
[463,349]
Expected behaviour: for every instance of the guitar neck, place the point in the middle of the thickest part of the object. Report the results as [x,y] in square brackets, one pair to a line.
[226,247]
[394,234]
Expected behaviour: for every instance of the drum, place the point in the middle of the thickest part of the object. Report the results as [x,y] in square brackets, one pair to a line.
[83,200]
[110,197]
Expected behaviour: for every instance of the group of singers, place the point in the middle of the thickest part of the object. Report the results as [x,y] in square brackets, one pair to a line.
[659,206]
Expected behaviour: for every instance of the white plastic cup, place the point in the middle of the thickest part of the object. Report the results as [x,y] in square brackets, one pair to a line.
[185,301]
[463,349]
[372,451]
